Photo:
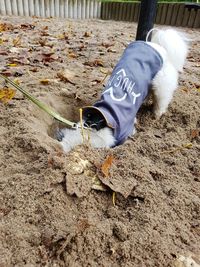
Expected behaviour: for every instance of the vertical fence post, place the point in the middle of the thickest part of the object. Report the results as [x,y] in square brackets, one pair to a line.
[146,18]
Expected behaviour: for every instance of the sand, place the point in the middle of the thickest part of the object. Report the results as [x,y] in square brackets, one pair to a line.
[51,213]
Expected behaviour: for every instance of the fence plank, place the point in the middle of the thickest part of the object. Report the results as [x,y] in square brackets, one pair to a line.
[197,20]
[26,7]
[31,7]
[8,8]
[99,9]
[158,13]
[169,14]
[180,15]
[132,11]
[61,9]
[124,13]
[128,12]
[164,13]
[117,10]
[174,14]
[137,10]
[2,7]
[186,16]
[191,18]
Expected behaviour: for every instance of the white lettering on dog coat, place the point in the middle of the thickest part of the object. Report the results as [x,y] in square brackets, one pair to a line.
[128,87]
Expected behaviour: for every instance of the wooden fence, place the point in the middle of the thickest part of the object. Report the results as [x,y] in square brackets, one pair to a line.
[167,13]
[75,9]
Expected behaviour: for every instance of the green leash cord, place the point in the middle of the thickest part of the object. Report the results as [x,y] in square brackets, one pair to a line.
[40,104]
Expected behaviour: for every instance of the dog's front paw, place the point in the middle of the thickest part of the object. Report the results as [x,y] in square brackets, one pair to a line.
[71,138]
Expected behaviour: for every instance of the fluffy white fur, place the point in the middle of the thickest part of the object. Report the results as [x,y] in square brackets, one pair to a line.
[173,49]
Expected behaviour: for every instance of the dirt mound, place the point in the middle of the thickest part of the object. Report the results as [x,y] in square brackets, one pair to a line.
[51,213]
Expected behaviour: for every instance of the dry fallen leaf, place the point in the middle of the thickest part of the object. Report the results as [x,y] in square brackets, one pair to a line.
[105,71]
[195,133]
[66,76]
[107,165]
[6,94]
[98,62]
[95,63]
[6,27]
[17,81]
[111,50]
[96,81]
[106,45]
[189,145]
[27,26]
[17,41]
[87,34]
[72,55]
[48,81]
[12,65]
[44,81]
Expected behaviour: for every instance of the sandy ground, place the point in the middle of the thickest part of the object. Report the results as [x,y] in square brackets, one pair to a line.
[50,213]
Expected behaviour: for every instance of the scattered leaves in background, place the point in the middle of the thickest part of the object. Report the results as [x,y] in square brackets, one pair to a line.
[66,76]
[6,94]
[6,27]
[195,133]
[95,63]
[17,41]
[87,34]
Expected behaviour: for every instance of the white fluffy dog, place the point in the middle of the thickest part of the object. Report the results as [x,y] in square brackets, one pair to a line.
[144,67]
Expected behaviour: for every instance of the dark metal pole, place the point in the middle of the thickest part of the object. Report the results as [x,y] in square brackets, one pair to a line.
[146,18]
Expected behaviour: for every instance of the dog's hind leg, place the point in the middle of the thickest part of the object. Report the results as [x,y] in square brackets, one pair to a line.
[163,87]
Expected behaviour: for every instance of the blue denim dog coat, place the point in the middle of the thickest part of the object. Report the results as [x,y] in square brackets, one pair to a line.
[126,89]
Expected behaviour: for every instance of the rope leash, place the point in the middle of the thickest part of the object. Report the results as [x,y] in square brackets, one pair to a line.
[40,104]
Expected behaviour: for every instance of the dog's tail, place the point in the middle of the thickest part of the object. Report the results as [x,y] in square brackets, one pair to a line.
[174,43]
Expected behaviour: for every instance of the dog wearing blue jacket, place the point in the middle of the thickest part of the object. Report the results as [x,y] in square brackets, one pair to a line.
[144,67]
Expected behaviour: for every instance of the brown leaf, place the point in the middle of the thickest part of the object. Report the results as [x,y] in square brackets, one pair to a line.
[3,52]
[106,45]
[95,63]
[6,27]
[27,26]
[111,50]
[6,94]
[44,33]
[48,81]
[87,34]
[42,41]
[96,81]
[98,62]
[48,57]
[72,55]
[66,76]
[6,73]
[195,133]
[107,165]
[17,41]
[63,36]
[44,81]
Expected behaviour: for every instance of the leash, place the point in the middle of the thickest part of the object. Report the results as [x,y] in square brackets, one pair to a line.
[41,105]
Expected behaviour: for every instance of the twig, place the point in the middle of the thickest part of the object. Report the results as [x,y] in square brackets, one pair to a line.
[114,198]
[81,121]
[189,145]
